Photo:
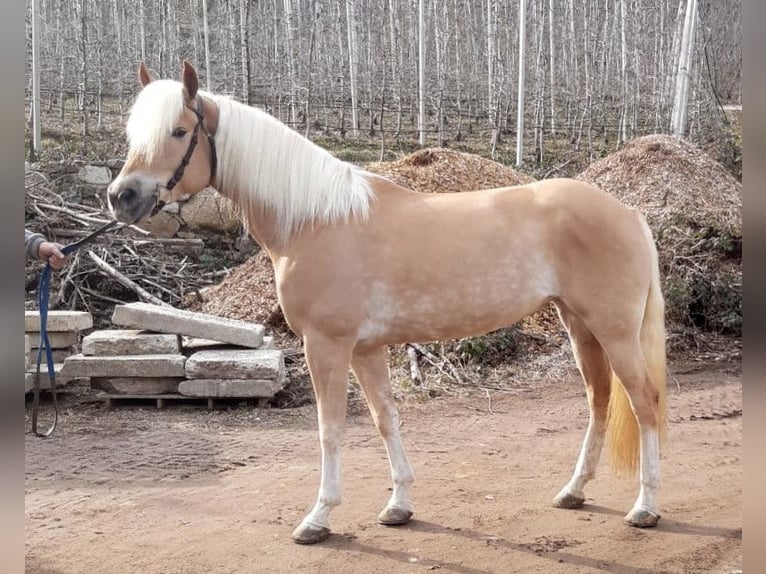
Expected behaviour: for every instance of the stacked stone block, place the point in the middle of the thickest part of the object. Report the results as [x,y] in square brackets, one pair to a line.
[163,352]
[64,329]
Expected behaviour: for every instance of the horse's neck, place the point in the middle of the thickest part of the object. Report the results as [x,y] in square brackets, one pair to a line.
[292,184]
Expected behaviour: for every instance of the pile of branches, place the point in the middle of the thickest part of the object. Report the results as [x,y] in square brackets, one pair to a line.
[117,267]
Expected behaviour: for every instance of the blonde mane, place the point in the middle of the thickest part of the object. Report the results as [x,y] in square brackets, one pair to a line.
[262,163]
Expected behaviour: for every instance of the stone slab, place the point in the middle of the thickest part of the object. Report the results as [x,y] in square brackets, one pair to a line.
[111,342]
[199,344]
[169,365]
[57,339]
[59,356]
[95,174]
[268,344]
[45,381]
[59,321]
[27,348]
[244,388]
[136,385]
[236,364]
[182,322]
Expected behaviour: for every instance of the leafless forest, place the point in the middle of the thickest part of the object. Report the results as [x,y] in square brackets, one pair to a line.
[596,73]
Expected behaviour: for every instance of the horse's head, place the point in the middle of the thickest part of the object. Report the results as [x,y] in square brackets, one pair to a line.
[171,149]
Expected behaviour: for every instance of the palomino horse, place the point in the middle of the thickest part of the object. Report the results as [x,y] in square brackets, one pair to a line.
[362,263]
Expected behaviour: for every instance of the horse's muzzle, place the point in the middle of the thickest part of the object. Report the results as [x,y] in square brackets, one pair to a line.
[130,199]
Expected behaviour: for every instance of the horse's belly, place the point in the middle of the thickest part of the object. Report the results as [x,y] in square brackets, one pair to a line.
[433,314]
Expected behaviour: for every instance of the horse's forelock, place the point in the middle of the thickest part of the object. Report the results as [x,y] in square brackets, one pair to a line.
[153,116]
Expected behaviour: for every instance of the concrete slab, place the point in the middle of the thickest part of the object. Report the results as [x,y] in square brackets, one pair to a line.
[59,321]
[57,339]
[169,365]
[136,385]
[245,388]
[45,382]
[110,342]
[59,356]
[181,322]
[198,344]
[236,364]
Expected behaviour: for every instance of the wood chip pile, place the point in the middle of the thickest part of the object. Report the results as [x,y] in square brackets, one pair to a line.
[445,171]
[694,207]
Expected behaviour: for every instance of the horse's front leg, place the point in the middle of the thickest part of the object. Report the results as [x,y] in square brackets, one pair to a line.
[371,370]
[328,362]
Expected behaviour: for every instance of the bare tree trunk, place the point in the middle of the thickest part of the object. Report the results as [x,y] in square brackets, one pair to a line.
[142,28]
[310,71]
[291,60]
[397,59]
[84,66]
[421,74]
[520,98]
[352,60]
[244,45]
[623,77]
[684,70]
[36,131]
[491,47]
[552,67]
[208,71]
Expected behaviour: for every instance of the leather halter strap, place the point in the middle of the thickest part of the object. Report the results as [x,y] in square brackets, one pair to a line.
[179,173]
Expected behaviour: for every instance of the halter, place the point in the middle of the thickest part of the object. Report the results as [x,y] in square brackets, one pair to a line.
[179,173]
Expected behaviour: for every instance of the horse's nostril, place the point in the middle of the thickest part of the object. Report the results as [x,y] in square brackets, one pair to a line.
[127,195]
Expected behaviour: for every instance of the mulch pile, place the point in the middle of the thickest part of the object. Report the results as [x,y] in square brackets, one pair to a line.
[445,171]
[694,207]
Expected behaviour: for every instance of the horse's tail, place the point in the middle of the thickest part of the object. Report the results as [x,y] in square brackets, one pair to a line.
[622,428]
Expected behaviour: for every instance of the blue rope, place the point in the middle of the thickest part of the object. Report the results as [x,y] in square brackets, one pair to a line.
[43,296]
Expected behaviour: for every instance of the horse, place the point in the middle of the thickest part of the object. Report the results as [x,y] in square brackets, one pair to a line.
[362,263]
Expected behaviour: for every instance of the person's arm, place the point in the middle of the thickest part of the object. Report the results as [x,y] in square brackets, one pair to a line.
[32,243]
[37,247]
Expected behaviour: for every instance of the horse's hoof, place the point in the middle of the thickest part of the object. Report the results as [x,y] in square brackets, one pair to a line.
[307,534]
[570,501]
[394,516]
[642,518]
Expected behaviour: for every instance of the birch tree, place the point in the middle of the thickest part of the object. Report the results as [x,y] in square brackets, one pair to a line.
[678,120]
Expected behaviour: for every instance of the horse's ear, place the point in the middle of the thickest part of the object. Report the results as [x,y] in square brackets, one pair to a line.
[143,74]
[190,80]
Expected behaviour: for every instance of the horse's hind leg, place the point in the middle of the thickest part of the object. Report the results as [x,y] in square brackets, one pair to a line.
[628,362]
[328,362]
[371,370]
[596,372]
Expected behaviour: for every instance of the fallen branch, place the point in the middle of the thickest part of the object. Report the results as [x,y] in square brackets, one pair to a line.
[112,272]
[439,364]
[414,369]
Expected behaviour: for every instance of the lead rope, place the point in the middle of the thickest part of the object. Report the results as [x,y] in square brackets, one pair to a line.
[43,295]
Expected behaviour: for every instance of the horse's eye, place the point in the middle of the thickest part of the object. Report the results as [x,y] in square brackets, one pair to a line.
[179,132]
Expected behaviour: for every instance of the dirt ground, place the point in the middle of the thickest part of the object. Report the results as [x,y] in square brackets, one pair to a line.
[185,490]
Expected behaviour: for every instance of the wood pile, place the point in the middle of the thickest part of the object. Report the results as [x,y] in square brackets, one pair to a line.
[120,266]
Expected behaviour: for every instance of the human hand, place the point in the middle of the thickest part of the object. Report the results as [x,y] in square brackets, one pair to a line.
[51,252]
